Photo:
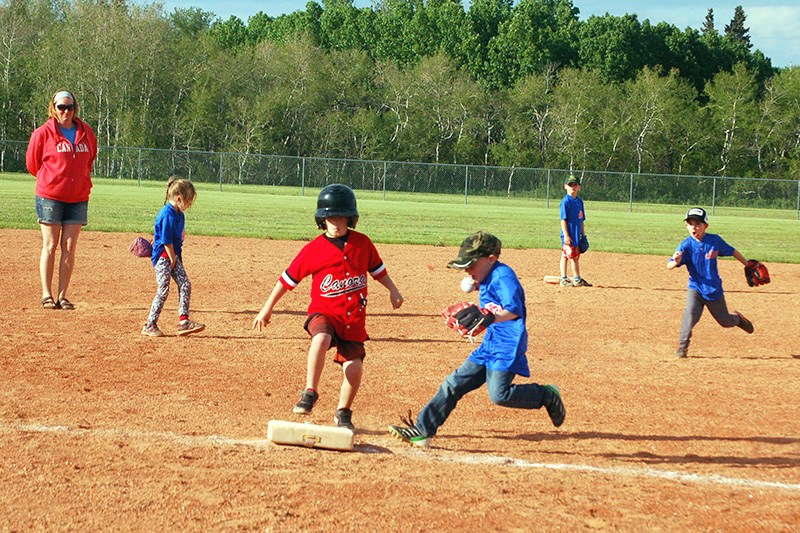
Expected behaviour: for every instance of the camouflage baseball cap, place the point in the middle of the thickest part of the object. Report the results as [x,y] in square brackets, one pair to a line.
[477,245]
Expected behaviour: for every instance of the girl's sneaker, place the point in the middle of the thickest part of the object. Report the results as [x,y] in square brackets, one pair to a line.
[185,327]
[151,330]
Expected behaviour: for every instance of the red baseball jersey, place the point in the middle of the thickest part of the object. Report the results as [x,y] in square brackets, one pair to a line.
[338,280]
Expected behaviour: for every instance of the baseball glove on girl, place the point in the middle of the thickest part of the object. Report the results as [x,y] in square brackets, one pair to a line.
[140,247]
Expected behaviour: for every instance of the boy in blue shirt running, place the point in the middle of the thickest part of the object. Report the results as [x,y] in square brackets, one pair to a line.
[501,355]
[699,252]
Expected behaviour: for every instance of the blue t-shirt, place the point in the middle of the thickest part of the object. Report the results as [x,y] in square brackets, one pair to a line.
[504,343]
[572,212]
[69,133]
[168,230]
[700,258]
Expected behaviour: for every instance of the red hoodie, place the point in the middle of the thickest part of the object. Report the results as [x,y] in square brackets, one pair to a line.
[62,173]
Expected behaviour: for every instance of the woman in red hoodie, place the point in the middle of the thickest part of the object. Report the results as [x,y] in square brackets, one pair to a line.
[60,154]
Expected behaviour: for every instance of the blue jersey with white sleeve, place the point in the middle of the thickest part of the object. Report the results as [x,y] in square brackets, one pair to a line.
[504,343]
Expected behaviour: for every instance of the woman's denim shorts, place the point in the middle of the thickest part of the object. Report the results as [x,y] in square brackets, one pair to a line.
[61,213]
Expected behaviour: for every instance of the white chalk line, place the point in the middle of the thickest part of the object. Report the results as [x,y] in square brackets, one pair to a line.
[218,440]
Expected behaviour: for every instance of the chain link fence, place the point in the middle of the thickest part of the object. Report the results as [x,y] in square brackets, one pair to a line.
[779,197]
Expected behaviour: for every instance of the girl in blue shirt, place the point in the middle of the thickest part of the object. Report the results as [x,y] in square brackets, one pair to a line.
[167,257]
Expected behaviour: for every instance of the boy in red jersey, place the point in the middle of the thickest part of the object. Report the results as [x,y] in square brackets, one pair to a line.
[338,262]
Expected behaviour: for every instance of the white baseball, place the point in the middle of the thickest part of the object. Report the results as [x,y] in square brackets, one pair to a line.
[468,284]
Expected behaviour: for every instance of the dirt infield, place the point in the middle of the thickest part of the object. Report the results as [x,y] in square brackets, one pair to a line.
[102,428]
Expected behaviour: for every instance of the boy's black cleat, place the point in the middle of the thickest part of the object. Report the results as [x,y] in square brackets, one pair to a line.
[744,323]
[554,405]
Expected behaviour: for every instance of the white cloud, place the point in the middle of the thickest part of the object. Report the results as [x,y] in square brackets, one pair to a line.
[776,32]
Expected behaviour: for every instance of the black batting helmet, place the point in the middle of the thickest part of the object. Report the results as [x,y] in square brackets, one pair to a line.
[336,200]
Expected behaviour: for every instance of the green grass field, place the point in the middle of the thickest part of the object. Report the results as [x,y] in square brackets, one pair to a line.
[406,218]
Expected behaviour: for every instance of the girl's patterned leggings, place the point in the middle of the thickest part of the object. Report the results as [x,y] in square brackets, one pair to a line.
[163,273]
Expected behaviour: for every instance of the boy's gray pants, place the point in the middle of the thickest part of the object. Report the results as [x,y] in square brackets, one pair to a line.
[694,309]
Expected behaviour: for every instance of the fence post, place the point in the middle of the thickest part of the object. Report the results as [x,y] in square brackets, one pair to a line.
[139,169]
[547,198]
[630,196]
[384,180]
[220,172]
[798,199]
[713,194]
[466,182]
[303,177]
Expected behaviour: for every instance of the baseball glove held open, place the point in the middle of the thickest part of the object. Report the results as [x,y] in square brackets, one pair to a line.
[467,319]
[756,273]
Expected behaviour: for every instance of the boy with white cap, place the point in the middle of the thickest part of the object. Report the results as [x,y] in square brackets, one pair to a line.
[699,252]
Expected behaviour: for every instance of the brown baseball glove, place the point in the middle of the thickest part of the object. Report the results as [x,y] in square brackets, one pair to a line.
[467,319]
[756,273]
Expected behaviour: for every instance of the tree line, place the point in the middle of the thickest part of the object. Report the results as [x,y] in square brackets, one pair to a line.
[411,80]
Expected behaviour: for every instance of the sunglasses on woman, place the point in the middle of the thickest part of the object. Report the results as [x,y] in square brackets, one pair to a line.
[65,107]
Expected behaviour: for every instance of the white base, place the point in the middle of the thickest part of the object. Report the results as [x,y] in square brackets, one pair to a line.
[309,435]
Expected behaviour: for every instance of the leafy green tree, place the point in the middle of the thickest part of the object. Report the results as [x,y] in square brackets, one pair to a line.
[118,78]
[486,18]
[777,131]
[578,104]
[651,98]
[612,46]
[341,27]
[687,53]
[22,22]
[681,142]
[528,122]
[732,110]
[540,33]
[231,34]
[191,21]
[434,107]
[345,124]
[398,36]
[736,28]
[708,23]
[288,27]
[453,30]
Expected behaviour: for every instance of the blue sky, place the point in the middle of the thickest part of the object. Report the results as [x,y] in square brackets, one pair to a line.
[774,24]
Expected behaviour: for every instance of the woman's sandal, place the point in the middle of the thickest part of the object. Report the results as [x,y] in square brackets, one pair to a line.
[65,304]
[49,303]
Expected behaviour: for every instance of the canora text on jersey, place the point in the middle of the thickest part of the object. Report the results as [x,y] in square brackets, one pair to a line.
[331,287]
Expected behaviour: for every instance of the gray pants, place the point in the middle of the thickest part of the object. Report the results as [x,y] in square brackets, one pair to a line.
[694,310]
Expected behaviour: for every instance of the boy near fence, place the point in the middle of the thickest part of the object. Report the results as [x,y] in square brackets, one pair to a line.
[573,217]
[699,252]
